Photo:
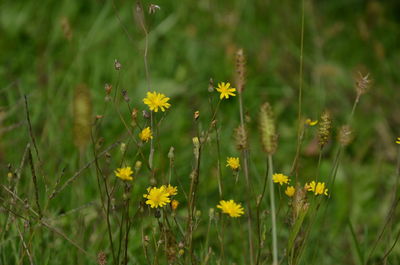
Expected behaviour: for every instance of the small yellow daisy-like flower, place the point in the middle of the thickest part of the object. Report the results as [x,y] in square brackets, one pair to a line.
[231,208]
[233,162]
[290,190]
[225,90]
[280,178]
[157,197]
[124,173]
[156,100]
[146,134]
[174,205]
[311,122]
[398,140]
[171,190]
[317,188]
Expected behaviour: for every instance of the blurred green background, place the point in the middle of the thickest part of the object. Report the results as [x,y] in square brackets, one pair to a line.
[49,48]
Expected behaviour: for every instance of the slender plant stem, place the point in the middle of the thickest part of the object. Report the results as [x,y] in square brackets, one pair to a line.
[273,213]
[245,153]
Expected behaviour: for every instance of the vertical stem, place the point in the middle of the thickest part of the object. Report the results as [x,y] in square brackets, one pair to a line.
[248,185]
[299,129]
[273,216]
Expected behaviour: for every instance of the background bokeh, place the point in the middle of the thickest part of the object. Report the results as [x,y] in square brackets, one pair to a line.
[49,48]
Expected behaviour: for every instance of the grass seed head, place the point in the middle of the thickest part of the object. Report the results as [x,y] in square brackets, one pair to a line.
[240,70]
[269,138]
[324,129]
[241,138]
[345,135]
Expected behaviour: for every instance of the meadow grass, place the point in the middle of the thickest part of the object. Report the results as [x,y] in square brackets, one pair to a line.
[73,78]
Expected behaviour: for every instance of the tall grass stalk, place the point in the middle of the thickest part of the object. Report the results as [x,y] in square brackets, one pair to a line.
[240,71]
[273,212]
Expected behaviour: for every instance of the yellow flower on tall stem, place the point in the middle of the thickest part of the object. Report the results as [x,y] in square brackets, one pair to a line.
[233,163]
[124,173]
[157,197]
[231,208]
[225,90]
[290,190]
[280,178]
[146,134]
[156,100]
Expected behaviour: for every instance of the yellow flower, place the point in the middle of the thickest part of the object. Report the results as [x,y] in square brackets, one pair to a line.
[398,140]
[174,204]
[280,178]
[156,100]
[317,188]
[157,197]
[311,122]
[290,190]
[124,173]
[225,90]
[146,134]
[231,208]
[233,162]
[171,190]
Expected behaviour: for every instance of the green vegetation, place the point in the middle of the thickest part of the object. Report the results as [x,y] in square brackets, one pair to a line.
[63,102]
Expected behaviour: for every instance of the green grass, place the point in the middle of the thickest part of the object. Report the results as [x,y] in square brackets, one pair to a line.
[189,43]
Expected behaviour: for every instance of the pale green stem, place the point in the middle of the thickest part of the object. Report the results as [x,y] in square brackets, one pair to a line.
[273,213]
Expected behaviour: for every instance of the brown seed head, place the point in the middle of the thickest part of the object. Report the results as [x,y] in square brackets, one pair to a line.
[363,83]
[240,70]
[324,129]
[241,138]
[345,135]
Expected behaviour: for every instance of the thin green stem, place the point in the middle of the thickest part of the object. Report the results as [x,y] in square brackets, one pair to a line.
[273,213]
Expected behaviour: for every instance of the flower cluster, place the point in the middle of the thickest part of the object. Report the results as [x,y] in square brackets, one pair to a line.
[316,188]
[159,197]
[283,179]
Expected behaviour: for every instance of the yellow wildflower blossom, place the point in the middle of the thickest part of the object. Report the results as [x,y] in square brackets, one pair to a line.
[156,100]
[280,178]
[146,134]
[317,188]
[157,197]
[231,208]
[225,90]
[311,122]
[233,163]
[398,140]
[174,204]
[124,173]
[171,190]
[290,190]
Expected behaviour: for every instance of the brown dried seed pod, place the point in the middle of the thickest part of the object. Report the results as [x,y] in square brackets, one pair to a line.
[241,138]
[345,135]
[363,83]
[240,74]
